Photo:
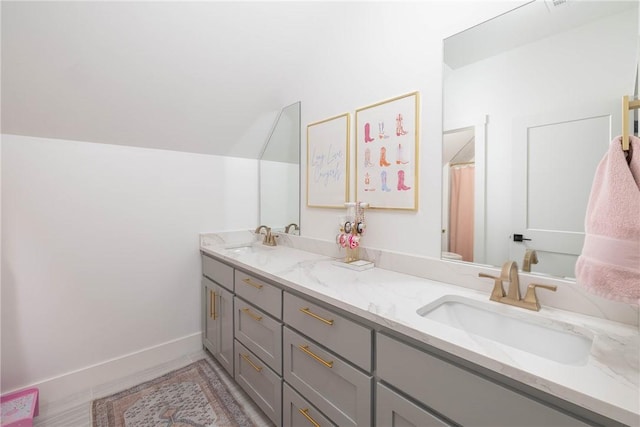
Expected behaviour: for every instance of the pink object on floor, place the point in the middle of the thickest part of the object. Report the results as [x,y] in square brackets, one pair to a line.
[609,265]
[19,408]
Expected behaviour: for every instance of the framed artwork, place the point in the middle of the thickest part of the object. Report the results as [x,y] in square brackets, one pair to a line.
[328,162]
[387,153]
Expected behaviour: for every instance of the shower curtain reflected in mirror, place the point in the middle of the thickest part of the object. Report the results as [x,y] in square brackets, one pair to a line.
[461,184]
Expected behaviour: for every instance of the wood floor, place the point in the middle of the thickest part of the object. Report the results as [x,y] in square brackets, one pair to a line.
[75,411]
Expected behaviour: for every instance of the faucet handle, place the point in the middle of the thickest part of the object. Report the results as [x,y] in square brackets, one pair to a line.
[531,298]
[270,239]
[498,290]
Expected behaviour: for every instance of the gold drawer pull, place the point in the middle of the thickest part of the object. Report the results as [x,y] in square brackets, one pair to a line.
[308,312]
[251,314]
[246,357]
[305,348]
[305,412]
[212,305]
[250,282]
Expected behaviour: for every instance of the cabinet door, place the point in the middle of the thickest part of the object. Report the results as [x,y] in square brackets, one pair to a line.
[225,312]
[259,333]
[218,323]
[262,384]
[210,322]
[259,293]
[393,410]
[297,412]
[340,391]
[343,336]
[457,394]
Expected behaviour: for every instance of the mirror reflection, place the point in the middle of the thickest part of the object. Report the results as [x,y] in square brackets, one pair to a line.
[531,102]
[280,173]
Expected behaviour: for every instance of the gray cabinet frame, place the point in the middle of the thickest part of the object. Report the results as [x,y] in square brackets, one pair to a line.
[217,328]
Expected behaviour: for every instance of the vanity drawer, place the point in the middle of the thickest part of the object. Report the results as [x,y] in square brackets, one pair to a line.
[259,333]
[259,293]
[340,391]
[262,384]
[393,410]
[458,394]
[349,339]
[297,412]
[219,272]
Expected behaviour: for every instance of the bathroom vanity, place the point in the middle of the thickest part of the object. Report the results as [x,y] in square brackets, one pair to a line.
[314,343]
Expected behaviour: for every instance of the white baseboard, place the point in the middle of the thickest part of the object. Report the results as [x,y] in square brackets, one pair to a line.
[82,383]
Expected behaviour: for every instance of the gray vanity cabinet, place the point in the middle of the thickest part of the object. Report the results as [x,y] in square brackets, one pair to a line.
[218,324]
[217,271]
[342,392]
[394,410]
[347,338]
[260,293]
[328,361]
[458,394]
[298,412]
[307,363]
[217,310]
[259,333]
[261,383]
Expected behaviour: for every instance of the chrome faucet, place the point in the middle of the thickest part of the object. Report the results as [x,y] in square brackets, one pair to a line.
[292,225]
[510,273]
[269,239]
[530,257]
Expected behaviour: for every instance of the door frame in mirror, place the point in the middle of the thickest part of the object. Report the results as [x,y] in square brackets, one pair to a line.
[479,125]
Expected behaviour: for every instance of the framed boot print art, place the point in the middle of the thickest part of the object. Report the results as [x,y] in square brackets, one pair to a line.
[387,153]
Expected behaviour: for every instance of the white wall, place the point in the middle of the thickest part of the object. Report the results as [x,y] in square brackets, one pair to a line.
[378,51]
[100,250]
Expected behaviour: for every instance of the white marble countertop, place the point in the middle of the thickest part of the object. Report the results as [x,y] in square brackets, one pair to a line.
[608,383]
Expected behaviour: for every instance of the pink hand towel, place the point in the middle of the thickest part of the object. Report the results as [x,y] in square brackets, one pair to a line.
[609,265]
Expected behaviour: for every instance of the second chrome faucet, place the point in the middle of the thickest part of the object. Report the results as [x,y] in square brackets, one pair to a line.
[509,274]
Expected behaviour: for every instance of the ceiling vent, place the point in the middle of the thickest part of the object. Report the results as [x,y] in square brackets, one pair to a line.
[552,4]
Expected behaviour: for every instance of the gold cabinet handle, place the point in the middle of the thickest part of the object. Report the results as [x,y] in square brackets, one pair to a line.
[246,357]
[212,305]
[305,412]
[250,282]
[308,312]
[305,348]
[252,315]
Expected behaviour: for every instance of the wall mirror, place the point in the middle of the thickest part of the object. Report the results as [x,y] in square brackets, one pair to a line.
[531,101]
[279,172]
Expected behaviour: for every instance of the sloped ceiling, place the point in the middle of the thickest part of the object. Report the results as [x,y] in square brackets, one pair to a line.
[525,25]
[202,77]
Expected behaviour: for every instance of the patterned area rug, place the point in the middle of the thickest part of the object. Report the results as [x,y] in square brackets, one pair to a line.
[190,396]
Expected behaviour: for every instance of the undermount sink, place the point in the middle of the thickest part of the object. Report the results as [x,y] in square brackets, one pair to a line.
[249,247]
[557,341]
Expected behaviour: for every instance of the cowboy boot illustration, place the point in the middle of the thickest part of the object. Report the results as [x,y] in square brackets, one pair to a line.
[400,160]
[367,133]
[367,183]
[381,134]
[401,186]
[383,179]
[367,158]
[383,157]
[399,129]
